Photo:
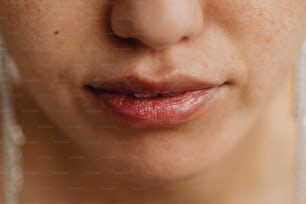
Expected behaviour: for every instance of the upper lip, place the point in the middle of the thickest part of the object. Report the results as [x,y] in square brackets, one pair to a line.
[142,85]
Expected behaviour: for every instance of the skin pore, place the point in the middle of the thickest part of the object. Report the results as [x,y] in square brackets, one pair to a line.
[241,150]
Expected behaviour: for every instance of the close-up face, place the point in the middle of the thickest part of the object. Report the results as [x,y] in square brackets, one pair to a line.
[84,61]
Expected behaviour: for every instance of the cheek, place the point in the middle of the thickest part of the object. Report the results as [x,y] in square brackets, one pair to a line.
[268,36]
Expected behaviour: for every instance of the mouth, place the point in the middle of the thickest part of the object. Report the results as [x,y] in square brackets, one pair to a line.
[145,103]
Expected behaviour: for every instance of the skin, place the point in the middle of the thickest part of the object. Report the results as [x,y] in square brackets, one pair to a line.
[231,153]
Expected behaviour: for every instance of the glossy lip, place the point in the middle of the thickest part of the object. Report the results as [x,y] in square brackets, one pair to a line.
[190,96]
[132,84]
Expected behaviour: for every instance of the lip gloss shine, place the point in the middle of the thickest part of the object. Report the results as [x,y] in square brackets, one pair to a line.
[156,111]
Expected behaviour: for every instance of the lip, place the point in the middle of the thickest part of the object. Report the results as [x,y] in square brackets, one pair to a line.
[189,96]
[132,84]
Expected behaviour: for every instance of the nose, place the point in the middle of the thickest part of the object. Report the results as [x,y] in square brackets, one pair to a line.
[157,23]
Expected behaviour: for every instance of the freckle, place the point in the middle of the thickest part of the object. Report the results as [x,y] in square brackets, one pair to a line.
[268,39]
[56,32]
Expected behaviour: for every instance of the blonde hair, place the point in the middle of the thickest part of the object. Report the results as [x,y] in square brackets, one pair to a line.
[301,113]
[12,133]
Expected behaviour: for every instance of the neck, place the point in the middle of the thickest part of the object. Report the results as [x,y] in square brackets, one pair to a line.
[259,168]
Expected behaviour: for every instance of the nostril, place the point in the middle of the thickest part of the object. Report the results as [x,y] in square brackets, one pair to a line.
[129,42]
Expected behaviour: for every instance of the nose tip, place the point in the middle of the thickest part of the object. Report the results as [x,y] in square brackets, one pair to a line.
[157,23]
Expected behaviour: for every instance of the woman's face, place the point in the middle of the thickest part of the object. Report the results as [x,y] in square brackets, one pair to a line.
[61,46]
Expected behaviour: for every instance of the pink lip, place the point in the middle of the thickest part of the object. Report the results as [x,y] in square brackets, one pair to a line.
[133,84]
[117,98]
[156,112]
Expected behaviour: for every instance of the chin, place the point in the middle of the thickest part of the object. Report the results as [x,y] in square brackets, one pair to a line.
[153,167]
[151,177]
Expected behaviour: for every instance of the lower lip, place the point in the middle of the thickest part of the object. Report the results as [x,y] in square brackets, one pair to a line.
[159,111]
